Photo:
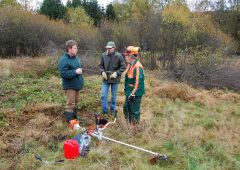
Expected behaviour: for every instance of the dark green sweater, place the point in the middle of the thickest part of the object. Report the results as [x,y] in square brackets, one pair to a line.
[67,67]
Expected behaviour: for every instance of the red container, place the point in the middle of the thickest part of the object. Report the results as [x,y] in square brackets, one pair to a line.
[71,150]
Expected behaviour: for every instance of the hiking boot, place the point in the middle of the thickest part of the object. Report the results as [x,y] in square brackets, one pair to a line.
[77,117]
[69,116]
[75,113]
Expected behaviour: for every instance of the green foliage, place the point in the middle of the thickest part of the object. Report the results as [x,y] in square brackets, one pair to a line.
[36,85]
[83,25]
[77,17]
[2,119]
[229,23]
[210,151]
[92,9]
[121,10]
[27,91]
[176,12]
[54,9]
[8,3]
[74,3]
[110,13]
[89,95]
[238,157]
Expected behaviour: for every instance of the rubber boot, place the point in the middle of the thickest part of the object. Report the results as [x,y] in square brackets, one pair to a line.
[75,115]
[69,116]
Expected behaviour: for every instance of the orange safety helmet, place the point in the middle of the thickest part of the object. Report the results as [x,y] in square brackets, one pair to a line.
[132,50]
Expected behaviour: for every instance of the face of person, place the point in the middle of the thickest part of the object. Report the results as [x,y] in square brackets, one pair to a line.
[110,50]
[128,58]
[73,51]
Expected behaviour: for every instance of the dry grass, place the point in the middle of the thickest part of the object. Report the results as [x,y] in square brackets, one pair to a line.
[35,123]
[174,90]
[186,123]
[25,65]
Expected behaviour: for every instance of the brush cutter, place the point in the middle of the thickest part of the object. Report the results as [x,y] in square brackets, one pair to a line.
[101,124]
[96,130]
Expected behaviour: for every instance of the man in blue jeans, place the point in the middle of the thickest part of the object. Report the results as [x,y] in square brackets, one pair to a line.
[111,67]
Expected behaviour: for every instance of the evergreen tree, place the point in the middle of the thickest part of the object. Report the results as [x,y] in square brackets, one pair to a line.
[54,9]
[91,7]
[110,13]
[76,3]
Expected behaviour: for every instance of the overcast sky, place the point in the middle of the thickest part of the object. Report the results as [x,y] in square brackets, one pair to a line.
[100,2]
[36,3]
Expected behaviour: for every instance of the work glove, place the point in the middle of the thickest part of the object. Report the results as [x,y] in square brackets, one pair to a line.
[131,97]
[104,75]
[113,75]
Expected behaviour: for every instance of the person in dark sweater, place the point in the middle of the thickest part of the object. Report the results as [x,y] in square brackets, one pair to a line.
[111,67]
[70,70]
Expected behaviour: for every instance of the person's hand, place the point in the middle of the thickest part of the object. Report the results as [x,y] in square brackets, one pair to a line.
[113,75]
[131,97]
[79,71]
[104,75]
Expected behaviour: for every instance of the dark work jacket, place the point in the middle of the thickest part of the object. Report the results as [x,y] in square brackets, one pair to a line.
[67,67]
[112,63]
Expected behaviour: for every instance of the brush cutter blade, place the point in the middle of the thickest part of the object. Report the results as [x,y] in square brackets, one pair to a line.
[155,159]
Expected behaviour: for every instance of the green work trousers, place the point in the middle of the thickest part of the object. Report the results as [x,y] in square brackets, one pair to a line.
[131,109]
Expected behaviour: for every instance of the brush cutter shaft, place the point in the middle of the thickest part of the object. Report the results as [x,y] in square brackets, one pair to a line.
[98,134]
[132,146]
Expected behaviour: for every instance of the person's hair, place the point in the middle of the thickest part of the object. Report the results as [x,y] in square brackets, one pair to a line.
[69,44]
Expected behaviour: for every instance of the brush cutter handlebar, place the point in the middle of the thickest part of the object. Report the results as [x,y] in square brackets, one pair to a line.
[107,124]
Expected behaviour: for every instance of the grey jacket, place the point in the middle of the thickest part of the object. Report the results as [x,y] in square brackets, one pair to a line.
[112,63]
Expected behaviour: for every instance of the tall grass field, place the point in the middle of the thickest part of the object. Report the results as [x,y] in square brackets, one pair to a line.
[198,129]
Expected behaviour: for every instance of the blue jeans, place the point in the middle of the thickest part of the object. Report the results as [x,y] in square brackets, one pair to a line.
[104,96]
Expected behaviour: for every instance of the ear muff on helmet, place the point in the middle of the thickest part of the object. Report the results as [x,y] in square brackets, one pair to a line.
[132,50]
[136,50]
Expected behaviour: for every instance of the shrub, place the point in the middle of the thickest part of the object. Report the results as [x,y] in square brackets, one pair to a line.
[25,33]
[206,67]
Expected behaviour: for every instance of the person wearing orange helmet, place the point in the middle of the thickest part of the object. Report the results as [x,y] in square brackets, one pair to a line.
[134,85]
